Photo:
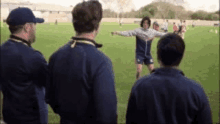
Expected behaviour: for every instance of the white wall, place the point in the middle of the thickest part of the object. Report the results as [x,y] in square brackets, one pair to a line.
[37,14]
[4,12]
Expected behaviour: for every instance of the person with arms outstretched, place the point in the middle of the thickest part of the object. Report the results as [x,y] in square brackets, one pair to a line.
[144,37]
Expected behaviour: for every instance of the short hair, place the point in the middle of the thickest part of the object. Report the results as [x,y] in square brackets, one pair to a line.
[167,20]
[170,49]
[87,16]
[144,19]
[15,29]
[174,23]
[155,23]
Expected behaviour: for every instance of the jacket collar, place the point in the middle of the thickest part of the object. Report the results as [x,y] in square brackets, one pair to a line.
[74,40]
[168,71]
[18,39]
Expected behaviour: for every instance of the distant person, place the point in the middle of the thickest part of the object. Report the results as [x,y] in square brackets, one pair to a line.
[180,26]
[82,86]
[175,28]
[183,29]
[166,96]
[156,26]
[144,37]
[24,71]
[120,22]
[193,24]
[166,26]
[56,22]
[162,28]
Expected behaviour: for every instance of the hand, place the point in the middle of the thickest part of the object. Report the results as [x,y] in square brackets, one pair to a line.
[150,38]
[113,33]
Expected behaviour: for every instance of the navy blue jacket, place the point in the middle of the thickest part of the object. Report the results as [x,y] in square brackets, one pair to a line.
[23,76]
[142,48]
[81,88]
[167,97]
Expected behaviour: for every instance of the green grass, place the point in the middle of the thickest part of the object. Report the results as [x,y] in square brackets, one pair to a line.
[200,63]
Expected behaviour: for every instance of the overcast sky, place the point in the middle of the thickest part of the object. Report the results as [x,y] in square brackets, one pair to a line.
[194,5]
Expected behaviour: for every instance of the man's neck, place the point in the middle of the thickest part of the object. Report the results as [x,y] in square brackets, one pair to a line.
[90,36]
[21,36]
[174,67]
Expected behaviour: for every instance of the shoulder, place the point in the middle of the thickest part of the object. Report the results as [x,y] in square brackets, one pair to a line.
[138,29]
[102,57]
[152,30]
[143,81]
[60,51]
[38,57]
[194,86]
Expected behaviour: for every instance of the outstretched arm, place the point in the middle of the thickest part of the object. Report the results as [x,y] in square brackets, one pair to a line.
[159,34]
[125,33]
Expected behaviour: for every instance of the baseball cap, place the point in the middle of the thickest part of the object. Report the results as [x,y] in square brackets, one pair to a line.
[22,15]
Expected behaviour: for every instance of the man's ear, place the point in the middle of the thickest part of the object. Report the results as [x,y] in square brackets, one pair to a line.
[26,27]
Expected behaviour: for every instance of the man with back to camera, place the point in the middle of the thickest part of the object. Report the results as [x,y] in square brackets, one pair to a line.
[24,72]
[81,88]
[144,37]
[166,96]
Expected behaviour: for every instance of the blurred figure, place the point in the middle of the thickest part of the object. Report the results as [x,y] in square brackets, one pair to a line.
[156,26]
[193,24]
[144,37]
[182,34]
[166,26]
[56,22]
[24,72]
[81,88]
[167,96]
[175,28]
[180,26]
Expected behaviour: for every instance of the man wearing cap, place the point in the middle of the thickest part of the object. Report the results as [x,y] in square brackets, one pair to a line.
[166,96]
[81,88]
[144,38]
[23,72]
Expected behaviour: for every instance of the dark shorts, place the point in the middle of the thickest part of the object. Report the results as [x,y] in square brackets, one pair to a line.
[140,59]
[165,30]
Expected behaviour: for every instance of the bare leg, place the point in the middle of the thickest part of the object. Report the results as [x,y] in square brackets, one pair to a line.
[139,70]
[150,67]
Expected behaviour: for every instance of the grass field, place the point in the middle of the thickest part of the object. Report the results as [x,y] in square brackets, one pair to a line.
[200,62]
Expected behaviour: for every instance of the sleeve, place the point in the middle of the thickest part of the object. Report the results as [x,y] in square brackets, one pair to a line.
[40,69]
[159,34]
[204,115]
[128,33]
[50,90]
[131,109]
[104,94]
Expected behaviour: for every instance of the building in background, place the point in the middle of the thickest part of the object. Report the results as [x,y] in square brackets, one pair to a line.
[49,12]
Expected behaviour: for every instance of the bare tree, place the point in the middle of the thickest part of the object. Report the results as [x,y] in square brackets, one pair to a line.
[119,5]
[123,6]
[108,3]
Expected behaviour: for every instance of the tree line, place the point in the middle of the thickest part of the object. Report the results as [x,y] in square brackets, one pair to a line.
[163,10]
